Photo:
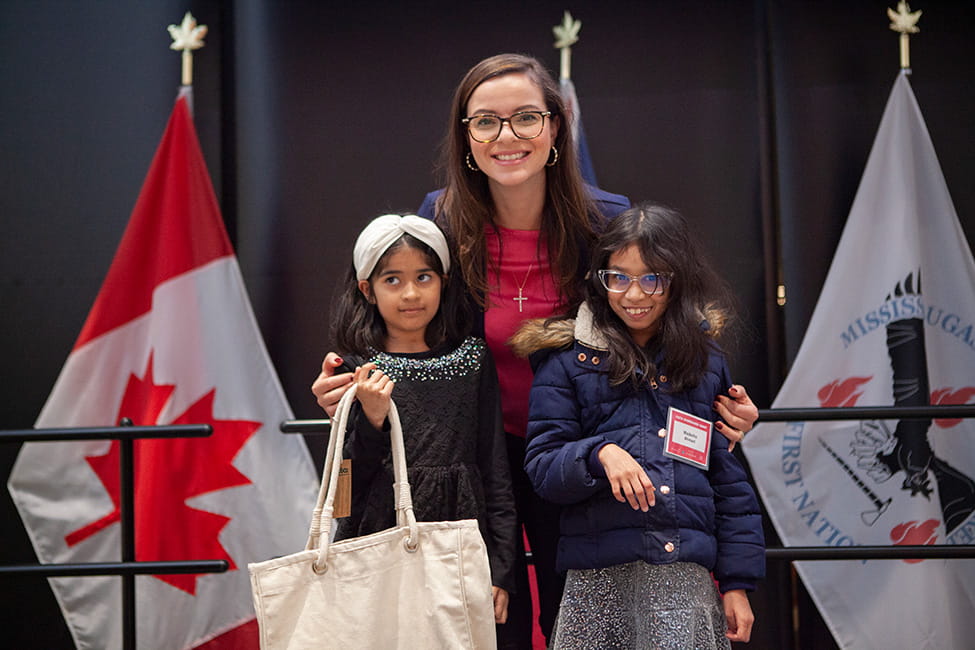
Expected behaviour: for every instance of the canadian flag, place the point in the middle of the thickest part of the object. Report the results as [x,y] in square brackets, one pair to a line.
[171,339]
[894,325]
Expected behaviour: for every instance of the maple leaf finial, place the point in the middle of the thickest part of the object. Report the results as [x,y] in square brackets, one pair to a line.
[566,35]
[904,21]
[187,36]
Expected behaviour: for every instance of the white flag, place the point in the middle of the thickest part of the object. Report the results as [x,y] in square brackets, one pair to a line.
[171,339]
[893,326]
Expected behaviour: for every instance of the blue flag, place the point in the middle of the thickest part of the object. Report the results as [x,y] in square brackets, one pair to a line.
[578,134]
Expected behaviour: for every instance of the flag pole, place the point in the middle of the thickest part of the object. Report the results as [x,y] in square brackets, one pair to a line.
[566,35]
[904,21]
[187,36]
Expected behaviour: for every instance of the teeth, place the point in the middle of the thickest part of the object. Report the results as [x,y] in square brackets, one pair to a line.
[636,312]
[510,156]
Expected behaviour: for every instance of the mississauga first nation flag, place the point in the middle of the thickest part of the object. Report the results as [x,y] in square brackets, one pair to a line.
[171,339]
[894,325]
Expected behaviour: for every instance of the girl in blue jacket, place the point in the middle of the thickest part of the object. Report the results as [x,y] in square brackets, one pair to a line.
[621,434]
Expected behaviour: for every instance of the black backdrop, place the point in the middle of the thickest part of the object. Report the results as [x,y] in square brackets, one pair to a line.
[753,117]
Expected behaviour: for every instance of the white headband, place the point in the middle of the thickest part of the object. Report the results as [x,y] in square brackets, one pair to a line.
[383,231]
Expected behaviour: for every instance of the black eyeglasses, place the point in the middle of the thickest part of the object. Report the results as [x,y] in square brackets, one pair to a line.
[525,125]
[618,282]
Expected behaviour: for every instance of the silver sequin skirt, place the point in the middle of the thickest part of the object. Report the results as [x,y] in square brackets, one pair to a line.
[640,606]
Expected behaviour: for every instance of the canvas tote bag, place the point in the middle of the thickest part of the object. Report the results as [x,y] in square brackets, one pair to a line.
[423,585]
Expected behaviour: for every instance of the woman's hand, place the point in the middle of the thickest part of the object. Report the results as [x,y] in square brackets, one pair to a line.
[738,413]
[738,614]
[329,387]
[627,478]
[500,597]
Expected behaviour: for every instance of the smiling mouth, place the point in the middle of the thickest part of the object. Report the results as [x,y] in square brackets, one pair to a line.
[637,311]
[508,157]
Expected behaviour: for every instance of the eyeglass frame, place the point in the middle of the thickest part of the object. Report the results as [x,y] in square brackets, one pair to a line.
[466,121]
[657,290]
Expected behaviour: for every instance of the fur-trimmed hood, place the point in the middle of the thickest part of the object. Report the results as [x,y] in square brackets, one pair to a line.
[544,333]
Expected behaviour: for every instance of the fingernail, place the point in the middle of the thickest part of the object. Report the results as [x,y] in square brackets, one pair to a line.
[338,360]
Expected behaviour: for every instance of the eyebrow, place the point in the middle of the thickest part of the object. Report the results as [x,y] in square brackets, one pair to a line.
[520,109]
[385,272]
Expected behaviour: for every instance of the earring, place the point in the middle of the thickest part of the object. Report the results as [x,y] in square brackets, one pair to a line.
[554,157]
[470,165]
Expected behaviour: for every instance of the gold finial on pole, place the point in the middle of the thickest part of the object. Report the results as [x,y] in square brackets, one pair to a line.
[187,36]
[905,22]
[566,35]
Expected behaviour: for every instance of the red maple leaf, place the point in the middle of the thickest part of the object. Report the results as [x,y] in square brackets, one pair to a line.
[947,396]
[168,472]
[842,392]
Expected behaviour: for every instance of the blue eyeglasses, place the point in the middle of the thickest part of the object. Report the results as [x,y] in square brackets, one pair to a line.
[618,282]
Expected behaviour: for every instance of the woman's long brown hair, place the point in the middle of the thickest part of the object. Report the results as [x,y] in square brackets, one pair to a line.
[569,218]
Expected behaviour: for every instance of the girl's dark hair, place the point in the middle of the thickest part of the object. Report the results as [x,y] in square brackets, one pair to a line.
[465,207]
[698,301]
[359,329]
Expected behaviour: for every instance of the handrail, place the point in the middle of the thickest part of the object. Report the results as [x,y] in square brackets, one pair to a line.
[319,427]
[116,568]
[867,413]
[906,552]
[128,568]
[124,432]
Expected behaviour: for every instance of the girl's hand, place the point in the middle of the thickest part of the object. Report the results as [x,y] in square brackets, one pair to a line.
[738,412]
[500,597]
[627,478]
[328,388]
[738,614]
[374,393]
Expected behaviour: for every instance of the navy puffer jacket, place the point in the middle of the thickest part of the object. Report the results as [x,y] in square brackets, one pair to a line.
[710,517]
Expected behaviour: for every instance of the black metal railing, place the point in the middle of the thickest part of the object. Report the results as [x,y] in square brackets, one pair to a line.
[128,568]
[802,553]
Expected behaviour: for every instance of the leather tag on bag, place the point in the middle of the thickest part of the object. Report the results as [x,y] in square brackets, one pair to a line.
[343,491]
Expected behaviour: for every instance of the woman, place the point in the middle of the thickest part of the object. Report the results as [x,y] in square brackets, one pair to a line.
[520,222]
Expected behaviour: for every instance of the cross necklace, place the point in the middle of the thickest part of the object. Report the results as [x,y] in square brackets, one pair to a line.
[521,298]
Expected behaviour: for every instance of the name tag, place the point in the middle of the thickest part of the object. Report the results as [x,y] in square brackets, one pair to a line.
[688,438]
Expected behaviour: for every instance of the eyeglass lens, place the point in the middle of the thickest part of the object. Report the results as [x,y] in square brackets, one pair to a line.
[651,283]
[525,125]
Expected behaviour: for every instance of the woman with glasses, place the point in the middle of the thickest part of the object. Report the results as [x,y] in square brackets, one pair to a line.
[520,222]
[621,435]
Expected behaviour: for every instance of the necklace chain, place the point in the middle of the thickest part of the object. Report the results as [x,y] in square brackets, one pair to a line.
[521,298]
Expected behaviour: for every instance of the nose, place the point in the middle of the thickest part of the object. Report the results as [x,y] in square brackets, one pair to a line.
[634,291]
[410,290]
[511,130]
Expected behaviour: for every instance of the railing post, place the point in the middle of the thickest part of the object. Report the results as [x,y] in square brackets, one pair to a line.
[127,522]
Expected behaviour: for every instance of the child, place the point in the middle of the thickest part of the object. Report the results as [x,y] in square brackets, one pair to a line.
[408,337]
[641,530]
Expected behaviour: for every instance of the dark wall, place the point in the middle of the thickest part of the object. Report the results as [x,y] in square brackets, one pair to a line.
[753,117]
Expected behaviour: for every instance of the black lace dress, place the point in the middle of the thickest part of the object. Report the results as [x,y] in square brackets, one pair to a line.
[448,402]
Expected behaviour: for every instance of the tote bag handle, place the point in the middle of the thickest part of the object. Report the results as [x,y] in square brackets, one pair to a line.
[320,537]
